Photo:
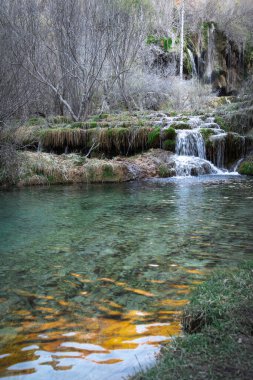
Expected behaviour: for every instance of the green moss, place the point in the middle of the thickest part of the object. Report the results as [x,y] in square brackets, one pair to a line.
[36,121]
[206,133]
[222,123]
[60,120]
[108,171]
[169,133]
[180,125]
[169,145]
[154,137]
[99,117]
[246,168]
[163,41]
[77,124]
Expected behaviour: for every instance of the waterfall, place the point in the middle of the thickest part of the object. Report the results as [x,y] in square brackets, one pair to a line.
[194,68]
[194,156]
[194,166]
[40,147]
[210,51]
[219,144]
[190,143]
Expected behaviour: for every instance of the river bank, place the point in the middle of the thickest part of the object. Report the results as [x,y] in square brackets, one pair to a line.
[124,147]
[218,341]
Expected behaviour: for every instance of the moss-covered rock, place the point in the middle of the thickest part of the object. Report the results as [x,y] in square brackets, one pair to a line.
[246,167]
[180,125]
[169,145]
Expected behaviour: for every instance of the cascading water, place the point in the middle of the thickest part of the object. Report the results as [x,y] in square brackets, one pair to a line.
[190,158]
[219,144]
[210,51]
[190,143]
[194,68]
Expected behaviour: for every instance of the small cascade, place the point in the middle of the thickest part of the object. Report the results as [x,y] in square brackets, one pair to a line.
[203,148]
[194,68]
[218,149]
[190,143]
[236,165]
[210,51]
[40,147]
[229,62]
[193,166]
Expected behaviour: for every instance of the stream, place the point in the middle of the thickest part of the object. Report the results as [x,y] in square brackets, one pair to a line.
[93,278]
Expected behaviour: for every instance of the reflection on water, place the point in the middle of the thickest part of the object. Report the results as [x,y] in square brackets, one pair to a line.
[93,279]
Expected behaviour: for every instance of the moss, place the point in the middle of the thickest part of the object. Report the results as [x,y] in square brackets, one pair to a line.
[169,145]
[169,133]
[108,171]
[99,117]
[246,168]
[180,125]
[60,120]
[206,133]
[77,124]
[36,121]
[154,137]
[222,123]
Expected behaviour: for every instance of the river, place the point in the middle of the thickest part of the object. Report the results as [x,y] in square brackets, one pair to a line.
[93,278]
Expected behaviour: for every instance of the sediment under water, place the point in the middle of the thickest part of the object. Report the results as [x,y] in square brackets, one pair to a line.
[93,278]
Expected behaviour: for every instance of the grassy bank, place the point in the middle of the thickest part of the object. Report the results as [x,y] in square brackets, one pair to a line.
[218,323]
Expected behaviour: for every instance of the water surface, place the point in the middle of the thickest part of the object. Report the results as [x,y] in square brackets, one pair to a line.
[93,278]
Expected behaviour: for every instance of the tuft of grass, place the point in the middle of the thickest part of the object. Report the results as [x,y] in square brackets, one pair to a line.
[154,137]
[218,323]
[36,121]
[164,171]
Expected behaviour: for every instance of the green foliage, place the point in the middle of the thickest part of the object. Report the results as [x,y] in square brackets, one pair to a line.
[181,125]
[206,133]
[60,120]
[222,123]
[99,117]
[36,121]
[169,133]
[154,137]
[246,168]
[164,42]
[77,124]
[169,145]
[108,171]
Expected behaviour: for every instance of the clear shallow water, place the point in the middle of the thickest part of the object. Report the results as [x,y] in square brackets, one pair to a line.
[93,279]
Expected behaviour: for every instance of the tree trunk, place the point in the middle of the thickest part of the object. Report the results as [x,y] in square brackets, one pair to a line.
[182,42]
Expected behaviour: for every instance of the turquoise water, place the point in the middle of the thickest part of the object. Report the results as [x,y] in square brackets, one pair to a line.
[93,278]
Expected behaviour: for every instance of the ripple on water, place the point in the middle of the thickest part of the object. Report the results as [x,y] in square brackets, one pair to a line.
[93,279]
